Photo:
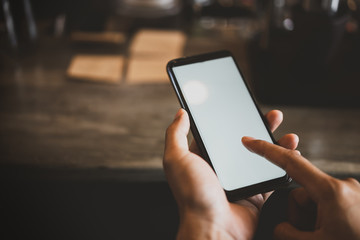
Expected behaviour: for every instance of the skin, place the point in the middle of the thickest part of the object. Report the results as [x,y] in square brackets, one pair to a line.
[324,208]
[205,212]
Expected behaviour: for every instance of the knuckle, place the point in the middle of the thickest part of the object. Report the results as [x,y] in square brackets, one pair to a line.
[352,181]
[292,153]
[168,130]
[172,159]
[167,162]
[289,156]
[168,157]
[336,189]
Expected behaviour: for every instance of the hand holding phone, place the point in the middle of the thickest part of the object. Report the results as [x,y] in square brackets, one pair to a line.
[211,89]
[201,200]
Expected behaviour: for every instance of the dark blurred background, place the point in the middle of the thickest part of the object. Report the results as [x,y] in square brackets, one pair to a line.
[85,101]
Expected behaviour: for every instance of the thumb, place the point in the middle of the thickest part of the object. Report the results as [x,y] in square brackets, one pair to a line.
[286,231]
[176,136]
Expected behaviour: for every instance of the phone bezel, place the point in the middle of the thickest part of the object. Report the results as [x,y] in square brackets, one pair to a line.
[239,193]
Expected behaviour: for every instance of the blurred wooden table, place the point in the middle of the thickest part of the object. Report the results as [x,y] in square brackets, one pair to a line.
[66,124]
[50,122]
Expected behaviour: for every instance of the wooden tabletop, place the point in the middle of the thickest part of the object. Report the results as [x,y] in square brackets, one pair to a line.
[50,121]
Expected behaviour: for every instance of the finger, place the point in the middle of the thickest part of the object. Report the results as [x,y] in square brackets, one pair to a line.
[352,181]
[300,196]
[301,210]
[300,169]
[267,195]
[289,141]
[274,119]
[287,231]
[176,136]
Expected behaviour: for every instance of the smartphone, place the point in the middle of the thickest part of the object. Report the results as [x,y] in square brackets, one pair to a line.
[222,110]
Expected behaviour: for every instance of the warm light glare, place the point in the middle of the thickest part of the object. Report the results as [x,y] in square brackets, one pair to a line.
[195,92]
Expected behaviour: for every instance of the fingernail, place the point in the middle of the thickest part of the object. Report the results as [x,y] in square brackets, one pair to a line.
[298,152]
[247,139]
[178,114]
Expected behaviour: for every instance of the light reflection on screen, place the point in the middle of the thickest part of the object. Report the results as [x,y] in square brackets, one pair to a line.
[196,92]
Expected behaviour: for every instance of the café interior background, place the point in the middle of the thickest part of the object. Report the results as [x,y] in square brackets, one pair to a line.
[85,101]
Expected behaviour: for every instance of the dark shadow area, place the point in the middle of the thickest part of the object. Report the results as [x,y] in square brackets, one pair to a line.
[51,206]
[313,64]
[68,204]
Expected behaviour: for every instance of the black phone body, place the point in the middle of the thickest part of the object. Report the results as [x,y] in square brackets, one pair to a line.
[222,110]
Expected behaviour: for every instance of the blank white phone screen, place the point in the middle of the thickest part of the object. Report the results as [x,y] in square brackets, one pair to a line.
[224,112]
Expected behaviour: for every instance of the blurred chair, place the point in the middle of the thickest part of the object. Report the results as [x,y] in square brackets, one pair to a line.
[9,22]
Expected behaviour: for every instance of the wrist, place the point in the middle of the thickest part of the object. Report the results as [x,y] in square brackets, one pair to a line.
[193,226]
